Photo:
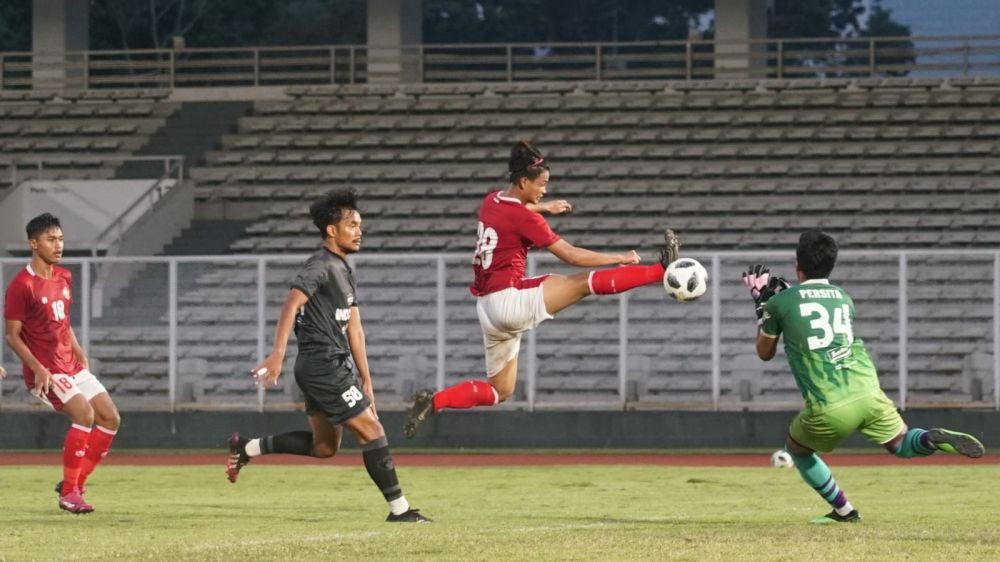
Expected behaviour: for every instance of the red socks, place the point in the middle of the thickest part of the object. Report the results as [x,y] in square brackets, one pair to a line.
[97,448]
[468,394]
[621,279]
[74,448]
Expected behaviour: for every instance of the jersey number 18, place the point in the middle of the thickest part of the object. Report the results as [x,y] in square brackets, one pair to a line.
[59,310]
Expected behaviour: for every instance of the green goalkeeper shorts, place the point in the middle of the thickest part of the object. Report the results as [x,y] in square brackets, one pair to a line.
[822,428]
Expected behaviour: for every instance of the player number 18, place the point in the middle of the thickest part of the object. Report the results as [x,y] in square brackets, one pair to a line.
[59,310]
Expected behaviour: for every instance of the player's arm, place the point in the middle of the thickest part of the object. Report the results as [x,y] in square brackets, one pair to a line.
[267,371]
[43,378]
[3,372]
[767,345]
[557,207]
[581,257]
[763,286]
[78,349]
[359,351]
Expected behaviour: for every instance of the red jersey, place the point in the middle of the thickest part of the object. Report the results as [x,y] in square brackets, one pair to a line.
[507,229]
[42,306]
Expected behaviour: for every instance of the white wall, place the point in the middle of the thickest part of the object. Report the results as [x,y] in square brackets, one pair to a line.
[84,207]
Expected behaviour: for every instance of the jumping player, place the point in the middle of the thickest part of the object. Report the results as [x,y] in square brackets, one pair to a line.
[332,365]
[834,372]
[509,304]
[36,312]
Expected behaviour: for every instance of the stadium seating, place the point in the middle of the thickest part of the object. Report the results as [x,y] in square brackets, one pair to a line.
[76,135]
[739,165]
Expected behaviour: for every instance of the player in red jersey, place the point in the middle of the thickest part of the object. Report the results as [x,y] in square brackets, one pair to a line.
[509,304]
[36,312]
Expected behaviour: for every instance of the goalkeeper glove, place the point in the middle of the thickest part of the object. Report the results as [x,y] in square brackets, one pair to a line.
[774,286]
[755,279]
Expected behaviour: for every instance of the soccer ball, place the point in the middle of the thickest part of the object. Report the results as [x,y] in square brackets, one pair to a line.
[781,459]
[685,280]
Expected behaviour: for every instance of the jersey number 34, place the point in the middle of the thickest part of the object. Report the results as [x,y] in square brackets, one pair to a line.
[841,324]
[485,244]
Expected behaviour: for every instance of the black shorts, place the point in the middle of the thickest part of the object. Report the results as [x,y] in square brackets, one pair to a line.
[330,384]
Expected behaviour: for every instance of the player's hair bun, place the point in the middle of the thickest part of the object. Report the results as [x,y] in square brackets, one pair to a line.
[525,161]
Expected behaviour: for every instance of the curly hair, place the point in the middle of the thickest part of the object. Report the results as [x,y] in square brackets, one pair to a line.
[525,162]
[330,208]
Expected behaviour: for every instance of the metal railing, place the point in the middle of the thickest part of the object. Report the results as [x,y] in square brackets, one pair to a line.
[25,168]
[435,306]
[491,62]
[173,169]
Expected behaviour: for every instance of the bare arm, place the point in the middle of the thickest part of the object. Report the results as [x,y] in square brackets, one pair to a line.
[359,351]
[767,345]
[267,371]
[78,350]
[582,257]
[557,207]
[43,378]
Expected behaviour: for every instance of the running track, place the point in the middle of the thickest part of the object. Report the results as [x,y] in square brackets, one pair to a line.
[353,458]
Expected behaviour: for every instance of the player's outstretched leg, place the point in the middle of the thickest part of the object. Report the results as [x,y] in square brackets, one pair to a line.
[818,475]
[421,410]
[241,450]
[671,249]
[461,396]
[955,443]
[918,442]
[627,277]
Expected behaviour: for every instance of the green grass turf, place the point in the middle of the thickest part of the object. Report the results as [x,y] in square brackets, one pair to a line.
[506,513]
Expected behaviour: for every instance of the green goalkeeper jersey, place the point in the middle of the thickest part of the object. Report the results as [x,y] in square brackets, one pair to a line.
[816,318]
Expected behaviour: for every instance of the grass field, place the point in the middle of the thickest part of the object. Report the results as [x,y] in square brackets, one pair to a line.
[503,513]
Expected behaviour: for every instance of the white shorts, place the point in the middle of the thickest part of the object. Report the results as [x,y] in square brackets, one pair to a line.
[504,316]
[65,387]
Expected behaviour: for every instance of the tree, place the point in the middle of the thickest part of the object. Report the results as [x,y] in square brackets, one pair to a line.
[890,54]
[15,25]
[131,24]
[546,21]
[143,25]
[837,21]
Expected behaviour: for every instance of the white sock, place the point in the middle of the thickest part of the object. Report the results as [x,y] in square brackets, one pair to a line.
[399,505]
[252,448]
[847,508]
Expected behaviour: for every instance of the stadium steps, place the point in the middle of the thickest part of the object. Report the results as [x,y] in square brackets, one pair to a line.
[203,237]
[190,131]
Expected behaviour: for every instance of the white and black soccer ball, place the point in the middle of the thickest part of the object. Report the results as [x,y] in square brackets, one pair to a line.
[781,459]
[685,280]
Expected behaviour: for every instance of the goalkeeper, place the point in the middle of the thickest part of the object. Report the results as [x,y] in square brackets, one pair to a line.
[834,373]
